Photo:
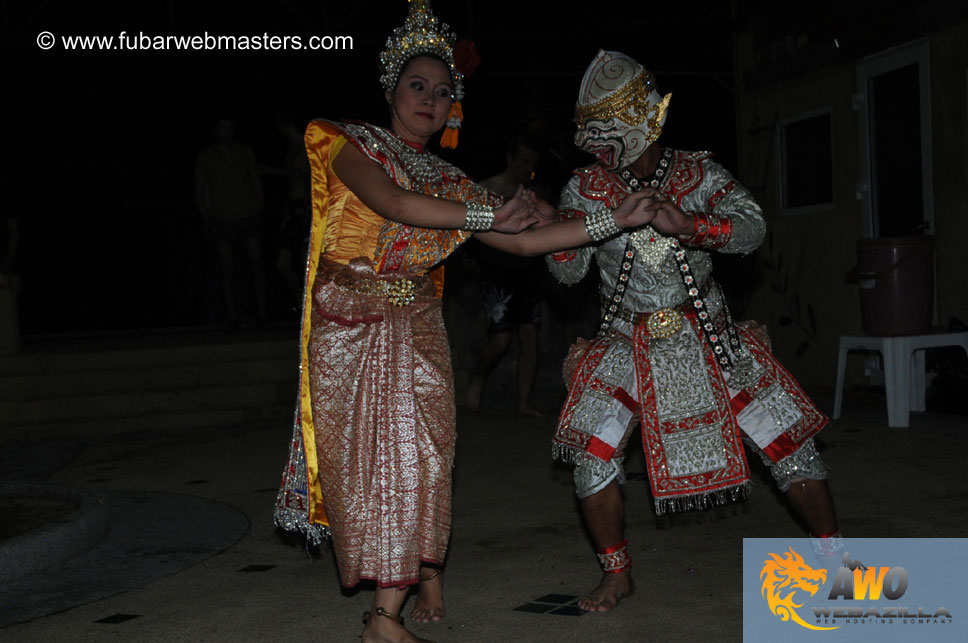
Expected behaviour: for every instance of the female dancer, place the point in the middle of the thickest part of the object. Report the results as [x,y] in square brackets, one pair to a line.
[375,431]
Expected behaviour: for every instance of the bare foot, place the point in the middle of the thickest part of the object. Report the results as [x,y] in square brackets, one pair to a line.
[474,390]
[430,596]
[532,412]
[385,629]
[613,588]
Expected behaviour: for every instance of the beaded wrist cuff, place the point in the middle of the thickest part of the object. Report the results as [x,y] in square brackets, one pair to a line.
[480,218]
[615,559]
[709,231]
[600,225]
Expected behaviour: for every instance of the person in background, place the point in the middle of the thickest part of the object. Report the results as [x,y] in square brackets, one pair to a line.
[293,231]
[228,194]
[512,291]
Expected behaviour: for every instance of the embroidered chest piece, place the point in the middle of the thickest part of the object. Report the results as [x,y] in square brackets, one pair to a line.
[652,246]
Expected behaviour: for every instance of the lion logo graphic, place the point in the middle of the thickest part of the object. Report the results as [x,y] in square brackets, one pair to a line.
[790,573]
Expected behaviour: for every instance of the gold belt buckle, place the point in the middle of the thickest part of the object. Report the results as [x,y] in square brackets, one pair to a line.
[400,292]
[665,323]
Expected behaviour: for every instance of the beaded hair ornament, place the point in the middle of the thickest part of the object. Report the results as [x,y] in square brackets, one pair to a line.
[422,35]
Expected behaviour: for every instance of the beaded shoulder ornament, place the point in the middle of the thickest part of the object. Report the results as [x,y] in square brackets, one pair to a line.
[741,368]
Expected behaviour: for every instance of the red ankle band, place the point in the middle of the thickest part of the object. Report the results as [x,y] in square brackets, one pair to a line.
[615,558]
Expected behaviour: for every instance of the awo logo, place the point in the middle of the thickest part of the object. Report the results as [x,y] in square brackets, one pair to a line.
[783,576]
[856,582]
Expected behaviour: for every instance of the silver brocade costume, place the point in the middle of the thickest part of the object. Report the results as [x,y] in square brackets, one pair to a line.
[692,419]
[373,439]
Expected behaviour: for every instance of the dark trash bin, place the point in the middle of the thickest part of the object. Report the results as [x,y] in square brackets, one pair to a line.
[896,285]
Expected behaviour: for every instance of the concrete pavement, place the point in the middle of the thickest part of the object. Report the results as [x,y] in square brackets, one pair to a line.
[191,554]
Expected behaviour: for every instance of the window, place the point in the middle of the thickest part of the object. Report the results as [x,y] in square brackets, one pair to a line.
[806,163]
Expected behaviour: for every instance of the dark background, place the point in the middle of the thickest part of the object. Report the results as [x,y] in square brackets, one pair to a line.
[99,146]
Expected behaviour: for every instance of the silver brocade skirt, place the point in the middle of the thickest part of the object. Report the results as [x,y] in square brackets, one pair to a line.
[385,421]
[692,415]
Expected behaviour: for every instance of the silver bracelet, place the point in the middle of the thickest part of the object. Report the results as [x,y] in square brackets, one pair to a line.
[480,218]
[600,225]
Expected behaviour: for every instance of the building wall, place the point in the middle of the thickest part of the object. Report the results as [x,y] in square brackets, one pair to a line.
[811,255]
[949,115]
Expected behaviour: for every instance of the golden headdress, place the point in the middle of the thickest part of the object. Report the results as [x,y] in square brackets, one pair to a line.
[615,86]
[421,35]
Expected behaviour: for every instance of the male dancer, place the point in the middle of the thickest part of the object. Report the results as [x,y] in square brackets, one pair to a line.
[668,355]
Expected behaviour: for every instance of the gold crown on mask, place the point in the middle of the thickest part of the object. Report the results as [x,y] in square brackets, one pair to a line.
[630,103]
[420,35]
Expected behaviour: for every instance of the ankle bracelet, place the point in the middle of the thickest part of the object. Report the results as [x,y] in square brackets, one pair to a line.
[393,617]
[614,559]
[434,575]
